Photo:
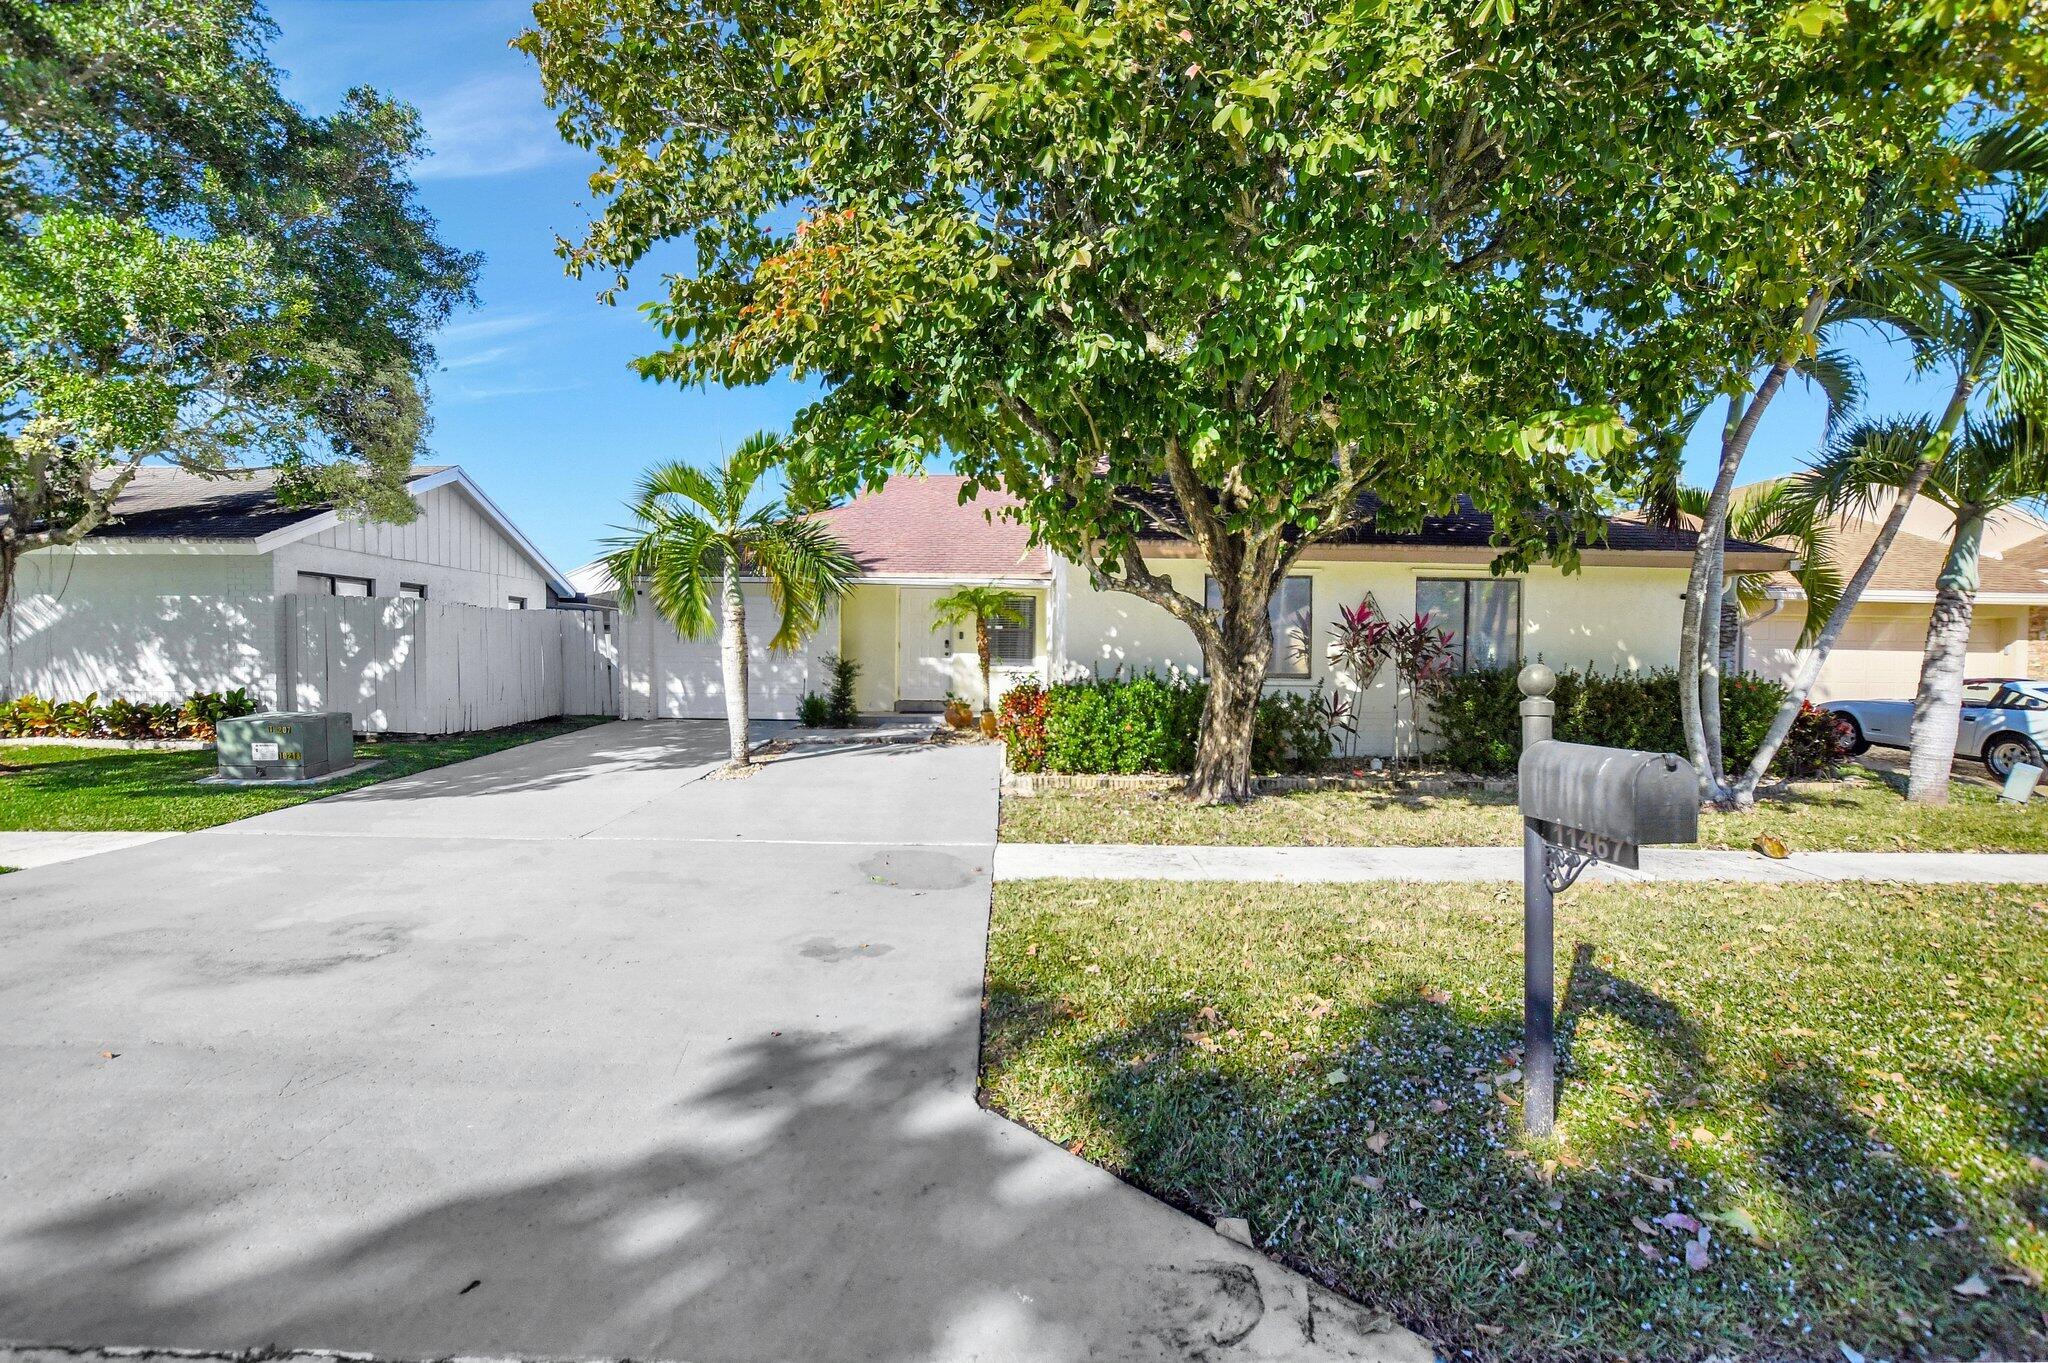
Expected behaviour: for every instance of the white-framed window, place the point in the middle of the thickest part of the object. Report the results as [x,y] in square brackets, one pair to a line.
[1015,642]
[1291,615]
[515,603]
[1483,614]
[333,584]
[412,591]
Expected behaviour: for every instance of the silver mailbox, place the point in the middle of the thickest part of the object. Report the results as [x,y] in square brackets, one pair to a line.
[1607,802]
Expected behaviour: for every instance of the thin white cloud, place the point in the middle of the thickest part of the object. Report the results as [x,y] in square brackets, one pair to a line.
[488,125]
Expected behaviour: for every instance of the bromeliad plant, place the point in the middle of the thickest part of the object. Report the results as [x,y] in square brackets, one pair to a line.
[706,531]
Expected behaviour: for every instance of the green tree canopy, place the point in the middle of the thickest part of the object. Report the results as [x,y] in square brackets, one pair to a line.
[193,268]
[1213,271]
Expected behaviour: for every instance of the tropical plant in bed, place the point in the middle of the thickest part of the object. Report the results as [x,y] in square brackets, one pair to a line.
[702,533]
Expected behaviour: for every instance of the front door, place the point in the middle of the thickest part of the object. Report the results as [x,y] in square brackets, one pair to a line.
[924,671]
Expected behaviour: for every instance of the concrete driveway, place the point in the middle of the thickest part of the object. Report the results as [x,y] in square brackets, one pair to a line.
[572,1051]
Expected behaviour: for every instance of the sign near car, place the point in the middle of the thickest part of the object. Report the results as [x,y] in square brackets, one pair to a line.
[1580,804]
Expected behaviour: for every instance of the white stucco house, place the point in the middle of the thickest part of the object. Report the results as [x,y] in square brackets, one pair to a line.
[179,591]
[915,541]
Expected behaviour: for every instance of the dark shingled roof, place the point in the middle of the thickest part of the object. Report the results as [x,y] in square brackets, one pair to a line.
[168,503]
[1470,528]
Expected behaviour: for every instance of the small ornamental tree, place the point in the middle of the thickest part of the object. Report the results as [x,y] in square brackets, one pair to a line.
[1208,273]
[978,606]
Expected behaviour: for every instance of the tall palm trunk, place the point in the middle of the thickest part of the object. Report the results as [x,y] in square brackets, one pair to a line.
[981,648]
[732,649]
[1816,657]
[1938,704]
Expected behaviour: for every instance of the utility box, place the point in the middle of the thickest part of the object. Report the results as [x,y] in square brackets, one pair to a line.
[284,746]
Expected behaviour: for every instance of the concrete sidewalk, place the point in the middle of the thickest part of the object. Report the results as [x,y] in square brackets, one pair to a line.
[1308,865]
[28,849]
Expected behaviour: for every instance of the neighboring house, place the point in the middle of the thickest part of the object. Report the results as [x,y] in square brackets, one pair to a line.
[915,542]
[1878,654]
[177,592]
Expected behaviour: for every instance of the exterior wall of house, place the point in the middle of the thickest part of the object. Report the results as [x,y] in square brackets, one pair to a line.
[451,548]
[145,626]
[908,660]
[1878,655]
[1616,619]
[663,675]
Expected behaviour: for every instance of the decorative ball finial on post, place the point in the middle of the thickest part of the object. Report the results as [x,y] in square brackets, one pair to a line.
[1536,682]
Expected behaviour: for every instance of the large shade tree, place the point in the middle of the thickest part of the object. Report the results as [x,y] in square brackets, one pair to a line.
[1210,272]
[700,535]
[195,270]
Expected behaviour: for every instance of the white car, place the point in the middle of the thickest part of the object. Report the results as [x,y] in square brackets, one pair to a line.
[2004,723]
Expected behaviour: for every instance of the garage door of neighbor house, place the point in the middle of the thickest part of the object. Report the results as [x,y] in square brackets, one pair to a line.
[1878,655]
[670,677]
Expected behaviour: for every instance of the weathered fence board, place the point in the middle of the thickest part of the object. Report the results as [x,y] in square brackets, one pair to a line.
[396,665]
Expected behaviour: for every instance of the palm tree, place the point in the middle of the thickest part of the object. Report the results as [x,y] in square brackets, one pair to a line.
[1962,287]
[695,535]
[981,605]
[1996,462]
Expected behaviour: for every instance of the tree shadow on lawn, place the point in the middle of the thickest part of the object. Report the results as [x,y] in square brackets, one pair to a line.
[1496,1249]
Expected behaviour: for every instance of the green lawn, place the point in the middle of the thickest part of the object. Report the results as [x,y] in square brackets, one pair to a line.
[79,789]
[1863,812]
[1847,1087]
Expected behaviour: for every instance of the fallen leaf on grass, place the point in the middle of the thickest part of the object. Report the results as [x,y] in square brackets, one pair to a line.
[1438,1105]
[1678,1221]
[1972,1286]
[1524,1238]
[1520,1270]
[1377,1142]
[1771,845]
[1696,1257]
[1372,1183]
[1737,1220]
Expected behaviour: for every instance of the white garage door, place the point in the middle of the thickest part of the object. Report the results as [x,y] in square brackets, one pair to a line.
[670,677]
[1878,654]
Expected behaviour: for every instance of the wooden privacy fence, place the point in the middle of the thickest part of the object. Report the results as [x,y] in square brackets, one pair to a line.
[428,667]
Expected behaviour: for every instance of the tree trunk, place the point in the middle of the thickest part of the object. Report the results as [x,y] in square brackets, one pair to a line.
[732,649]
[988,690]
[1237,677]
[1710,665]
[1694,659]
[1938,704]
[1731,633]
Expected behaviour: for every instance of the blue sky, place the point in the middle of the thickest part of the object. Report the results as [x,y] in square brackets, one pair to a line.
[536,399]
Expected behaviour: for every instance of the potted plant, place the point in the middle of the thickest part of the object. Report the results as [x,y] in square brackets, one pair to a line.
[958,713]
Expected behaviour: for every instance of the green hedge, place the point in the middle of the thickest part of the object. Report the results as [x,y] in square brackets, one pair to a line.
[1479,725]
[1144,724]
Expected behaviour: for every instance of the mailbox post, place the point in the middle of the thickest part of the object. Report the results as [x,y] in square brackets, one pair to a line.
[1539,938]
[1580,804]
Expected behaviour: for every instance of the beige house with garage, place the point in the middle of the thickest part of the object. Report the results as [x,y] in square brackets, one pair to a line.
[916,540]
[1878,654]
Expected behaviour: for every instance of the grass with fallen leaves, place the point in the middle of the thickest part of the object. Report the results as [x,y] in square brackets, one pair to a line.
[1791,1118]
[57,788]
[1866,811]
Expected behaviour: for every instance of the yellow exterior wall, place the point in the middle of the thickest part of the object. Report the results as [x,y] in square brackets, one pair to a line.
[867,634]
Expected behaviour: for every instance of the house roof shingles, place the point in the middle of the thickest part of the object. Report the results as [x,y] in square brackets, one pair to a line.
[1913,563]
[917,527]
[169,503]
[1470,528]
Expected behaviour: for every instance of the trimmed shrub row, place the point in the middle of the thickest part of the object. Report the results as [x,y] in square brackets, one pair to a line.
[194,717]
[1144,724]
[1479,727]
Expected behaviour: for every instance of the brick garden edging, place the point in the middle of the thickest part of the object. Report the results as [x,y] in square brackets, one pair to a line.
[1028,783]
